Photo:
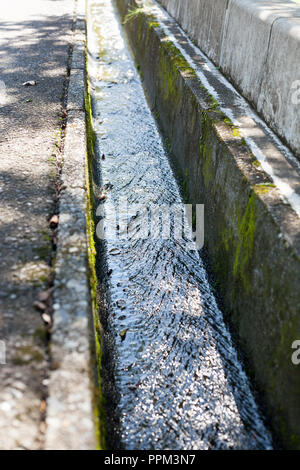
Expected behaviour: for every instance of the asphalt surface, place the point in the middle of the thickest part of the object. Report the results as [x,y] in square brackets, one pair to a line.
[34,46]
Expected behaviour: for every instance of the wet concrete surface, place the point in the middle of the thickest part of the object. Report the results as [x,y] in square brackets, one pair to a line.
[176,374]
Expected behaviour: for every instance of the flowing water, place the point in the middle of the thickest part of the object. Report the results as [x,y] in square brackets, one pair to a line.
[177,376]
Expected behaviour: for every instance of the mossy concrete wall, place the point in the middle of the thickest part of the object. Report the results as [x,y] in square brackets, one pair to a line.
[251,235]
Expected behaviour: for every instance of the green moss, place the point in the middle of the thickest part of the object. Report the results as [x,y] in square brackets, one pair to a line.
[254,160]
[45,234]
[99,403]
[245,247]
[44,252]
[228,122]
[151,24]
[168,79]
[295,441]
[41,334]
[208,171]
[52,175]
[171,63]
[263,188]
[91,137]
[243,141]
[177,58]
[205,151]
[227,236]
[236,132]
[26,355]
[214,103]
[133,14]
[168,143]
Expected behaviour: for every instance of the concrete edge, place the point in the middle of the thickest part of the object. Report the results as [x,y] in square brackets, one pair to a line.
[245,218]
[256,44]
[71,403]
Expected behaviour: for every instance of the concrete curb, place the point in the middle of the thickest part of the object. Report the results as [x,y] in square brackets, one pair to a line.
[70,420]
[256,43]
[245,214]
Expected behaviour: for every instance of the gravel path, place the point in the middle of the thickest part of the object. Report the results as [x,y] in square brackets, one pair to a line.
[34,46]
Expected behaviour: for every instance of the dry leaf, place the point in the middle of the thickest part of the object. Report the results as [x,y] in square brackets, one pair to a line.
[54,221]
[30,83]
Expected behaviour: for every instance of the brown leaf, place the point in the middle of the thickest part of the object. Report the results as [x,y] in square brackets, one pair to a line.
[43,427]
[46,318]
[44,296]
[54,365]
[123,334]
[39,306]
[54,221]
[30,83]
[43,406]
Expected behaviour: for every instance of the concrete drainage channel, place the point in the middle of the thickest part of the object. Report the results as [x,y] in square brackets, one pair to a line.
[168,369]
[177,381]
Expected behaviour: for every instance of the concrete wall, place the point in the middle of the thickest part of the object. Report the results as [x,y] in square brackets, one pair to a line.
[257,45]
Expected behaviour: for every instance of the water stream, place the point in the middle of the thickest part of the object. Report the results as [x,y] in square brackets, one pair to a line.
[177,376]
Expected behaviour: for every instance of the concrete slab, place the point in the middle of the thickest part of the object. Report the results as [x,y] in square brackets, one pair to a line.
[203,20]
[72,388]
[69,406]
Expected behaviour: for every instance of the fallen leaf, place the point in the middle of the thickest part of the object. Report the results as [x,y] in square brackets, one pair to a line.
[30,83]
[43,296]
[46,318]
[43,406]
[39,306]
[43,427]
[54,221]
[114,251]
[123,334]
[54,365]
